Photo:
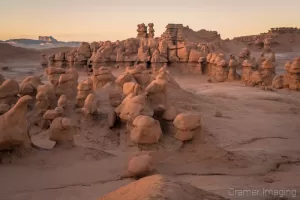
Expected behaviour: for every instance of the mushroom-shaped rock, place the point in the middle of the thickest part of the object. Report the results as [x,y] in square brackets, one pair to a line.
[146,130]
[14,127]
[140,166]
[160,187]
[187,121]
[67,85]
[134,106]
[61,131]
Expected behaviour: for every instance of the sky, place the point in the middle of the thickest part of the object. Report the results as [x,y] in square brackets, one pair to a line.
[99,20]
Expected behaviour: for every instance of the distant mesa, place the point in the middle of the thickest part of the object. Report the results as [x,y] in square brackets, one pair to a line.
[41,42]
[49,39]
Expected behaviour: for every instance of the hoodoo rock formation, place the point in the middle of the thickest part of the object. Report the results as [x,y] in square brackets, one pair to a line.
[283,38]
[177,44]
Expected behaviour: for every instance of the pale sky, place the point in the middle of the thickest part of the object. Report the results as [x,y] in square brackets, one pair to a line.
[98,20]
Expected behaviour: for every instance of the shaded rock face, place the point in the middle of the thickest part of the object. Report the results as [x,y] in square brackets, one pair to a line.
[14,127]
[159,187]
[232,74]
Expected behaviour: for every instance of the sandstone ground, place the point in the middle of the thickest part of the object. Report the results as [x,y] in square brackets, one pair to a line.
[252,144]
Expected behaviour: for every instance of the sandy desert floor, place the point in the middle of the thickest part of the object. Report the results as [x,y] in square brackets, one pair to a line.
[254,145]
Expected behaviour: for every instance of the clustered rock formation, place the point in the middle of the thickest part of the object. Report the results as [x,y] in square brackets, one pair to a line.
[137,97]
[291,79]
[270,39]
[176,44]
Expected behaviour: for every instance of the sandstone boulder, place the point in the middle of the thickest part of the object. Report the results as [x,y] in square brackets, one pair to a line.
[187,121]
[146,130]
[140,166]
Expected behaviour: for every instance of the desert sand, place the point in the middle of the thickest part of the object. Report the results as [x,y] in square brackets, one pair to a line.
[249,141]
